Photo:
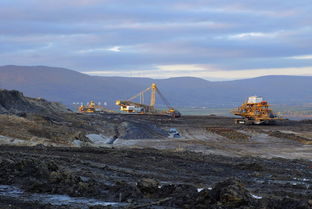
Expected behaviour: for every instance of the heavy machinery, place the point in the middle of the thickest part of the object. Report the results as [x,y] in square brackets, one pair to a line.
[255,111]
[91,107]
[138,107]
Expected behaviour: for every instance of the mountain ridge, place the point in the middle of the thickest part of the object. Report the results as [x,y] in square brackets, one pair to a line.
[68,86]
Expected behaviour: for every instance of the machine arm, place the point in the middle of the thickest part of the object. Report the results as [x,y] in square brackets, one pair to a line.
[139,94]
[164,99]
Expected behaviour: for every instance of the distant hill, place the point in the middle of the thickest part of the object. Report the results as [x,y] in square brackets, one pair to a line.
[68,86]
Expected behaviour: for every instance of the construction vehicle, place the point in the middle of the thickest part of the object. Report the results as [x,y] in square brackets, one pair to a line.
[130,106]
[91,107]
[174,133]
[255,111]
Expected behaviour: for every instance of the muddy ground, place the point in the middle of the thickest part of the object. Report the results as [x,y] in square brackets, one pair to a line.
[150,178]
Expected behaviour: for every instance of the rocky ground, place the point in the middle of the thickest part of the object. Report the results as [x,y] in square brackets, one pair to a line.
[51,157]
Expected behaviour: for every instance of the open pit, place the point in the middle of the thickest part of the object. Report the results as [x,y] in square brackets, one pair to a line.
[55,158]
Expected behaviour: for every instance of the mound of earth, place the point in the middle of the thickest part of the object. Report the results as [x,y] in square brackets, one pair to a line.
[37,121]
[14,102]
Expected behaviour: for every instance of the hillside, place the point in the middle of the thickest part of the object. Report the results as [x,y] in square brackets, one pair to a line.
[14,102]
[68,86]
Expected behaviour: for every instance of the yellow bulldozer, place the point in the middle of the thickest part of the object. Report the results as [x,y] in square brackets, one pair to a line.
[255,111]
[130,106]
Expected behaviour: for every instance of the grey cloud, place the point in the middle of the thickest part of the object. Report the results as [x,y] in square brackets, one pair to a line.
[78,34]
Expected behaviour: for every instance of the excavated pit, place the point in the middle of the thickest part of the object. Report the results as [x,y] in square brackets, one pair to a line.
[130,161]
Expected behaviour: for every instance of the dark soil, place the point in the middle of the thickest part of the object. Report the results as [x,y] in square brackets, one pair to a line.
[148,178]
[291,136]
[229,133]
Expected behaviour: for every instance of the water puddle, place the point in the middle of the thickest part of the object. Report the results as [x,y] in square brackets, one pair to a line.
[256,197]
[54,199]
[201,189]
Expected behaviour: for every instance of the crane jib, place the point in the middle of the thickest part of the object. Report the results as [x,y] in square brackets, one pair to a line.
[139,107]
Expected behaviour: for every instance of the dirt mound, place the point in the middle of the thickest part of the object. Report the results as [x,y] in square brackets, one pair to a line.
[291,136]
[44,177]
[135,130]
[14,102]
[229,134]
[231,193]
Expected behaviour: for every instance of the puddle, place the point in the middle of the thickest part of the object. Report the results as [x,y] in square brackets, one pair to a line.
[10,191]
[54,199]
[256,197]
[200,189]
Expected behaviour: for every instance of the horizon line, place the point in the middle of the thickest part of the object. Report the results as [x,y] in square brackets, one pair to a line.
[215,79]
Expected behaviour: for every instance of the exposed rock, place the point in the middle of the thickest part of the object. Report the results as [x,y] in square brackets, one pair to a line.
[231,192]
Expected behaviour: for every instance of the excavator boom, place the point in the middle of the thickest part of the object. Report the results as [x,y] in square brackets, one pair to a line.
[138,107]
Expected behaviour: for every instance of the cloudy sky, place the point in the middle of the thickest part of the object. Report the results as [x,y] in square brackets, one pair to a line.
[211,39]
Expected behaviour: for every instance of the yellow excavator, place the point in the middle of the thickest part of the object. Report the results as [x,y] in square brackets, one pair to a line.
[138,107]
[91,107]
[255,111]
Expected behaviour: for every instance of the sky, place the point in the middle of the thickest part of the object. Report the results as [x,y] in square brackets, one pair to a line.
[211,39]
